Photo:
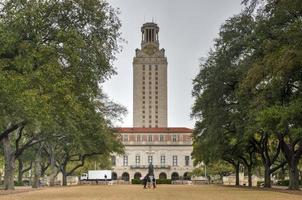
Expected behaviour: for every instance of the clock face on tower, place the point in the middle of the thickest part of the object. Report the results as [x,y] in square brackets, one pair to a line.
[150,49]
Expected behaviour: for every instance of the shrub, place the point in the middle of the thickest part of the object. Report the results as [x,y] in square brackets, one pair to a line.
[286,182]
[163,181]
[158,181]
[136,181]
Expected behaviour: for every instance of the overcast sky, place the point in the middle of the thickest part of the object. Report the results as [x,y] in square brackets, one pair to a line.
[187,31]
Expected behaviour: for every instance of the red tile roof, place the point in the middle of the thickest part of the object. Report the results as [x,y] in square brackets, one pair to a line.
[154,130]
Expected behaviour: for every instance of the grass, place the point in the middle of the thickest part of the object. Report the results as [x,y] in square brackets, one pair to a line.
[163,192]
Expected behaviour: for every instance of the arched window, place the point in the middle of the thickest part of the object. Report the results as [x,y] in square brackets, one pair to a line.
[174,176]
[137,175]
[187,176]
[114,176]
[162,176]
[125,176]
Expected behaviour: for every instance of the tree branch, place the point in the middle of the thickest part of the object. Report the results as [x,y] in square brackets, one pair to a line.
[11,129]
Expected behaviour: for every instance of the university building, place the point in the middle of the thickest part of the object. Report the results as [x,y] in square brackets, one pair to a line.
[150,140]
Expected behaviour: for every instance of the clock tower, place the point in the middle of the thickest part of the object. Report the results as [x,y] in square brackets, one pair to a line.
[150,81]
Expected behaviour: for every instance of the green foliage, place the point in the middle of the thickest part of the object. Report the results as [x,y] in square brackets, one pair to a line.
[136,181]
[163,181]
[158,181]
[54,57]
[248,90]
[286,183]
[220,168]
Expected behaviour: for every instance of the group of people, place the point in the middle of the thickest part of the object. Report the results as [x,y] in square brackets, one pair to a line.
[150,180]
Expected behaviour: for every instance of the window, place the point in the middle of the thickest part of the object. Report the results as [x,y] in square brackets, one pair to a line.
[162,160]
[150,159]
[174,160]
[137,160]
[161,138]
[150,73]
[156,92]
[143,102]
[187,160]
[156,78]
[156,83]
[144,78]
[150,97]
[143,82]
[143,112]
[150,138]
[150,126]
[143,97]
[138,138]
[156,73]
[174,138]
[156,102]
[150,92]
[113,160]
[156,97]
[156,116]
[144,87]
[143,116]
[143,67]
[156,121]
[125,161]
[143,92]
[125,138]
[156,126]
[150,121]
[156,88]
[156,67]
[149,67]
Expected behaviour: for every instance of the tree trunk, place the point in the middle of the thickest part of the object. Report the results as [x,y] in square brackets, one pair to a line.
[249,174]
[267,177]
[293,175]
[20,172]
[53,173]
[9,168]
[37,170]
[237,169]
[64,175]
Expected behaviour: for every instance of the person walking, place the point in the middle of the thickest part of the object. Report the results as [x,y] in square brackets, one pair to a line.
[154,182]
[145,180]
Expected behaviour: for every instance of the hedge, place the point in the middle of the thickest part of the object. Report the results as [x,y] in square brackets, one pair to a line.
[286,183]
[158,181]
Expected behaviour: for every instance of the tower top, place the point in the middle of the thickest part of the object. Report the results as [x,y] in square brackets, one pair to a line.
[150,34]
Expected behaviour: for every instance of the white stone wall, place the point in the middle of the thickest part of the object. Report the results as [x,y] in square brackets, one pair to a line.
[156,151]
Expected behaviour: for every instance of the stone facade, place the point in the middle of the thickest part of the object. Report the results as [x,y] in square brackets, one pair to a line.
[150,140]
[168,149]
[150,81]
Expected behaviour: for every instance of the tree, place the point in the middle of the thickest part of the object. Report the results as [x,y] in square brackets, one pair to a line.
[220,168]
[54,56]
[218,105]
[274,78]
[248,92]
